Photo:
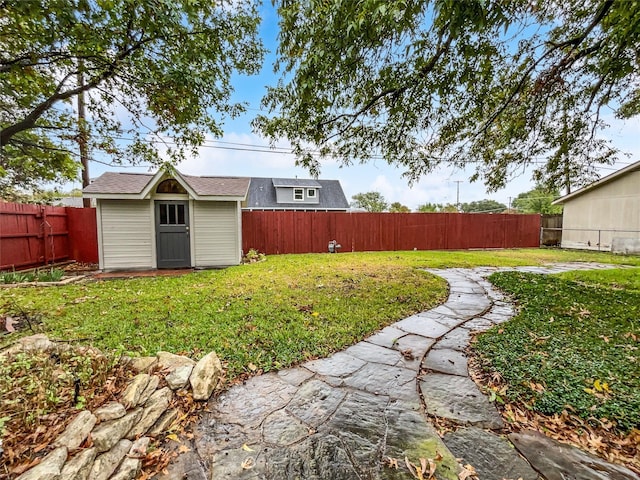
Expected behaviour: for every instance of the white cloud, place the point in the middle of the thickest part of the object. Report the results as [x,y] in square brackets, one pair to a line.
[238,154]
[624,134]
[237,158]
[438,187]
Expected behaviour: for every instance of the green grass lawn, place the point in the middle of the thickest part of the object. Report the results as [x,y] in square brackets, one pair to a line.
[627,279]
[290,308]
[574,345]
[265,316]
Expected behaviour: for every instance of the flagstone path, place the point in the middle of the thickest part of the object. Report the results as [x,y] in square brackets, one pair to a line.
[360,412]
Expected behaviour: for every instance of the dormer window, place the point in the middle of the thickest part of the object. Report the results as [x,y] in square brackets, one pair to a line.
[298,194]
[311,193]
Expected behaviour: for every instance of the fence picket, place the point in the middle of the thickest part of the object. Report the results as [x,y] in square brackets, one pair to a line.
[310,232]
[35,235]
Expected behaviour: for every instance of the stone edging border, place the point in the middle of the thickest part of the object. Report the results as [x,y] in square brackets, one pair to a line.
[65,281]
[120,431]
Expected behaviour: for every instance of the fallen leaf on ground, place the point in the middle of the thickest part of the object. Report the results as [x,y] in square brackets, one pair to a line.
[25,466]
[432,467]
[407,354]
[468,472]
[391,462]
[9,323]
[418,472]
[601,386]
[536,387]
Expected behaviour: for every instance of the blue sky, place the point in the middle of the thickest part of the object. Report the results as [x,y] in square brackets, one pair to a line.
[233,154]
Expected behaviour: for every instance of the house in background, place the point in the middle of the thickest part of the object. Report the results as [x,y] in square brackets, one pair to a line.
[75,202]
[167,220]
[295,194]
[604,215]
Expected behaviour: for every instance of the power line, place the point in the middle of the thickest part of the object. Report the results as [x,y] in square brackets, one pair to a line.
[287,151]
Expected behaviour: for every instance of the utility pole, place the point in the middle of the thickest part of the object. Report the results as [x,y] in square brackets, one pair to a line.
[458,182]
[82,136]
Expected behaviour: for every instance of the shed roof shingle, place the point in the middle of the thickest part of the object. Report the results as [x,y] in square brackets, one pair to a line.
[134,183]
[114,182]
[214,186]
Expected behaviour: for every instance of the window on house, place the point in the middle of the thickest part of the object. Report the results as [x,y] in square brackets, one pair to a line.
[298,194]
[171,214]
[311,193]
[170,185]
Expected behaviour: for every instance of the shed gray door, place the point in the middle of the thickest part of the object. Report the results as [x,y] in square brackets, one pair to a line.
[172,234]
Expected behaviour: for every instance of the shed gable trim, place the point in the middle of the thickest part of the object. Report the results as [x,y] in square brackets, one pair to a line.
[162,175]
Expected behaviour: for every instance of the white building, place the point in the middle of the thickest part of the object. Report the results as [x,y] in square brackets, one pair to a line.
[604,215]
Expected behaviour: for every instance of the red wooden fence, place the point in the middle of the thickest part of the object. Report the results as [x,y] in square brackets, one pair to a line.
[83,234]
[277,232]
[33,235]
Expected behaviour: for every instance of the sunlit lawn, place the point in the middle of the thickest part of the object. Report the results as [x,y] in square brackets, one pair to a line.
[266,315]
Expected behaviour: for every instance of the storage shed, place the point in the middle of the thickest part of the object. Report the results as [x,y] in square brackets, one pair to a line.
[604,215]
[168,220]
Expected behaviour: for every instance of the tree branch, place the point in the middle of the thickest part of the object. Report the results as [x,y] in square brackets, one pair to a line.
[32,60]
[396,92]
[575,41]
[23,143]
[568,60]
[29,121]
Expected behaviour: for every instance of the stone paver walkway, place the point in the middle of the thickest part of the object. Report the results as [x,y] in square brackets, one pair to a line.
[352,415]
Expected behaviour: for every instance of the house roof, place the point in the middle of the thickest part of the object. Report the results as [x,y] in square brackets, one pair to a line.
[138,185]
[76,202]
[262,195]
[598,183]
[295,182]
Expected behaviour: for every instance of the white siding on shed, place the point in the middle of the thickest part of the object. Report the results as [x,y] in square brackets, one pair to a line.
[216,234]
[593,219]
[127,228]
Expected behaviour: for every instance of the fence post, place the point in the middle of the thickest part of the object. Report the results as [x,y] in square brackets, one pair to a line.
[541,234]
[44,232]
